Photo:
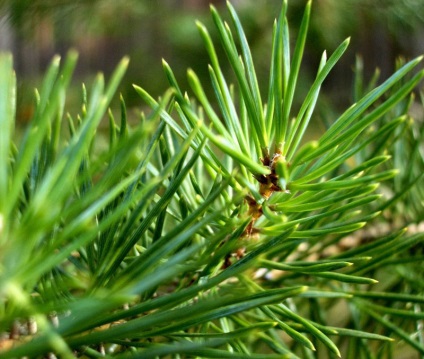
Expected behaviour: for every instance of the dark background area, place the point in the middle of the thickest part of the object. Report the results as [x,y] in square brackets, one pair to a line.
[103,31]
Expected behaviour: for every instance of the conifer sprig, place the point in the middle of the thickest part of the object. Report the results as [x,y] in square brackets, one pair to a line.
[209,227]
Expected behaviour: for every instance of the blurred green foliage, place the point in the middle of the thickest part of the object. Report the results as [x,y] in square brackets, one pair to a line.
[103,31]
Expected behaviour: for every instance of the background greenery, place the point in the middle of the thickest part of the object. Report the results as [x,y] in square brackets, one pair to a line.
[104,31]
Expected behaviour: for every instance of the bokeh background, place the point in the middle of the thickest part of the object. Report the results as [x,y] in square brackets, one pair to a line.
[103,31]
